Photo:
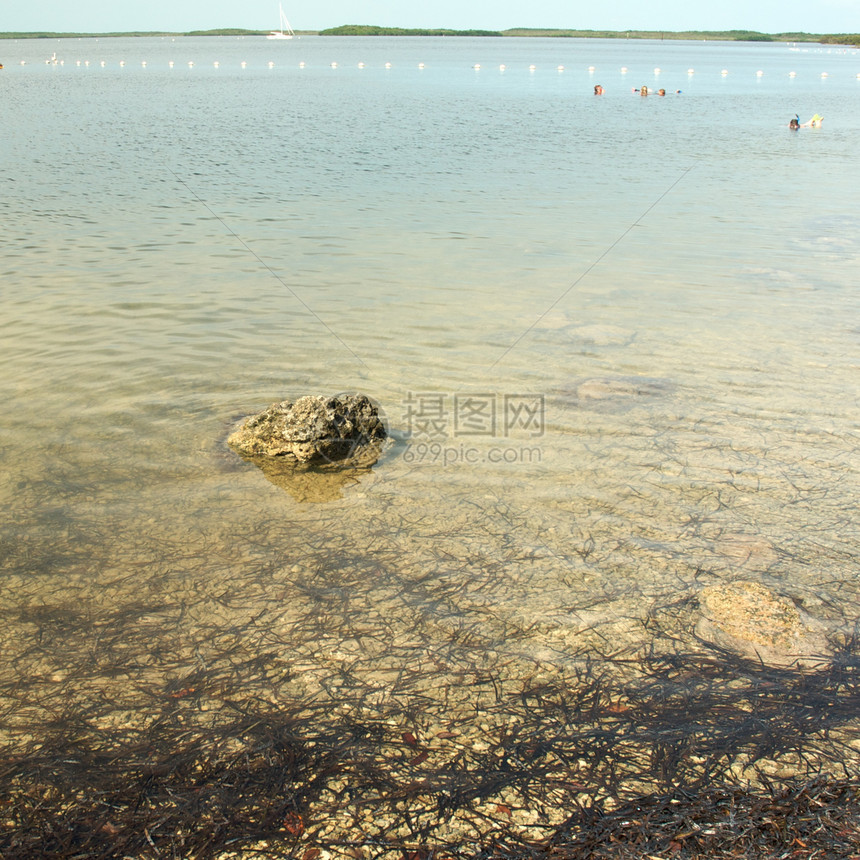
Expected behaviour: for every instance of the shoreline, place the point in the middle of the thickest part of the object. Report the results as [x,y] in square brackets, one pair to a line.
[516,32]
[557,767]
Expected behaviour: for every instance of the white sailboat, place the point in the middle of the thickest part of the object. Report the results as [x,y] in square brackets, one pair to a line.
[286,31]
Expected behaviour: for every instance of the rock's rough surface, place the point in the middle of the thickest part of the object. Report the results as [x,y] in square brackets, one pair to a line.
[755,622]
[344,429]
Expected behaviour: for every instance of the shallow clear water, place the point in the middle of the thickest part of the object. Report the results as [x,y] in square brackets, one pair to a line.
[668,284]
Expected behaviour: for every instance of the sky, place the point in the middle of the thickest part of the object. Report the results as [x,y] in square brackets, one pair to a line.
[100,16]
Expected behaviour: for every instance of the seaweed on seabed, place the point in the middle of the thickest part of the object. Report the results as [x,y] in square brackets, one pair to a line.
[681,759]
[815,818]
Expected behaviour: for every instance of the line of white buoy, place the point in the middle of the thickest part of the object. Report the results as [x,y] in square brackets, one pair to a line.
[54,61]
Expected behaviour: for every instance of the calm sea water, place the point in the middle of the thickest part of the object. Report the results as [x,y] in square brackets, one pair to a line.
[615,339]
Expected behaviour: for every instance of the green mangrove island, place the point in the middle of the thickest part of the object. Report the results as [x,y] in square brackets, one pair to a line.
[722,35]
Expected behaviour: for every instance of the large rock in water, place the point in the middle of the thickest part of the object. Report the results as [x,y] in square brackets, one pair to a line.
[346,429]
[757,623]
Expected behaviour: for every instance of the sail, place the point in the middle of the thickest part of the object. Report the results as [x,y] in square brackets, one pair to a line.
[286,31]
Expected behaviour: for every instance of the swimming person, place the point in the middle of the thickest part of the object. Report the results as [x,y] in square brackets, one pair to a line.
[598,90]
[815,122]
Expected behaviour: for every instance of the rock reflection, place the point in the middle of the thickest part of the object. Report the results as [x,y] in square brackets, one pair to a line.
[311,484]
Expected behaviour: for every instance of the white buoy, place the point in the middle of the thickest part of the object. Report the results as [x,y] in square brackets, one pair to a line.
[170,64]
[759,73]
[122,63]
[302,64]
[421,65]
[560,68]
[86,62]
[191,64]
[657,70]
[102,64]
[690,71]
[502,67]
[825,75]
[334,65]
[216,64]
[143,64]
[624,70]
[361,65]
[477,66]
[532,67]
[591,68]
[724,72]
[271,64]
[388,65]
[792,74]
[244,64]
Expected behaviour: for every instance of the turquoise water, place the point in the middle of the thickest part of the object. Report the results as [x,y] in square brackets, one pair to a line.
[666,286]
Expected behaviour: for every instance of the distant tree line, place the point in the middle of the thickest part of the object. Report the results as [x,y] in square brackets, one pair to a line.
[370,30]
[841,39]
[690,35]
[227,31]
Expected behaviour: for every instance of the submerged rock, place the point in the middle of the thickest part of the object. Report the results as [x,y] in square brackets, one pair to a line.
[755,622]
[610,388]
[345,429]
[748,551]
[602,335]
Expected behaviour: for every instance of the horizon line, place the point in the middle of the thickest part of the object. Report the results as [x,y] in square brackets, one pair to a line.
[38,34]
